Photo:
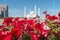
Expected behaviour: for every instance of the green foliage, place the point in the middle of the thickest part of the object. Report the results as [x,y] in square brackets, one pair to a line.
[53,37]
[54,28]
[26,36]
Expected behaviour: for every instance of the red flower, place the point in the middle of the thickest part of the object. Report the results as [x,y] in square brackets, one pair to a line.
[20,23]
[16,32]
[31,22]
[57,33]
[51,18]
[17,18]
[39,27]
[44,12]
[7,37]
[14,22]
[59,14]
[0,34]
[34,36]
[7,21]
[27,28]
[54,17]
[46,30]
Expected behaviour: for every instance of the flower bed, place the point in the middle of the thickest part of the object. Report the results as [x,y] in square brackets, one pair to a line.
[31,29]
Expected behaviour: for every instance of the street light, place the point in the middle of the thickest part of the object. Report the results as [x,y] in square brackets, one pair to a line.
[4,12]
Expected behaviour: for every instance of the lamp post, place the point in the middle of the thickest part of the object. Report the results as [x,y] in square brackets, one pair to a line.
[4,12]
[4,8]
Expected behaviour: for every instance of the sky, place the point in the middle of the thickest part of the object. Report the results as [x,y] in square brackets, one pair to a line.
[16,7]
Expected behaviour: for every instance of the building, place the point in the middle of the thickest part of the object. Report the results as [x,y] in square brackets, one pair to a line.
[32,15]
[3,11]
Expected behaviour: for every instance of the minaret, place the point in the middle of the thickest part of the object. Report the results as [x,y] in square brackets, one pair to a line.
[38,11]
[30,10]
[35,8]
[24,11]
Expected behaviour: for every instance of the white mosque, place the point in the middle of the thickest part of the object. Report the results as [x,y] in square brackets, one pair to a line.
[32,14]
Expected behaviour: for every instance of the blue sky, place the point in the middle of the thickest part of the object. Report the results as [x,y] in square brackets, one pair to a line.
[16,6]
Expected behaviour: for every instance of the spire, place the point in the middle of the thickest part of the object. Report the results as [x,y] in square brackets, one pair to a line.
[35,8]
[30,10]
[24,11]
[38,11]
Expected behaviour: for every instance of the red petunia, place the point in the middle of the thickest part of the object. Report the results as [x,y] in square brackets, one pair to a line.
[34,36]
[7,21]
[31,22]
[27,28]
[16,32]
[59,14]
[44,12]
[39,27]
[5,35]
[8,36]
[54,17]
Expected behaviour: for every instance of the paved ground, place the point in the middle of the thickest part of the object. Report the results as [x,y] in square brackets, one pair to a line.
[1,20]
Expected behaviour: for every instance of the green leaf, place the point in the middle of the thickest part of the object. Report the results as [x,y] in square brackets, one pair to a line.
[53,37]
